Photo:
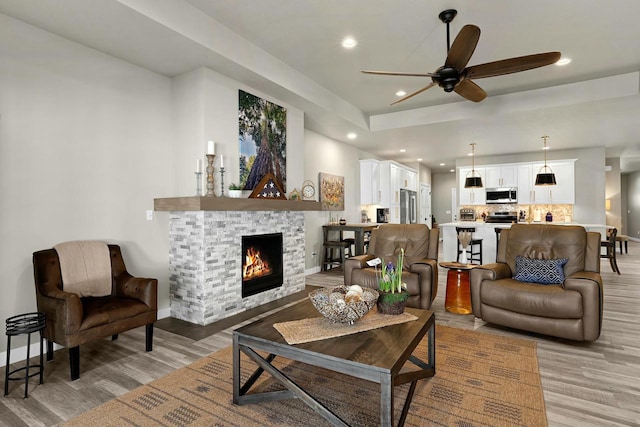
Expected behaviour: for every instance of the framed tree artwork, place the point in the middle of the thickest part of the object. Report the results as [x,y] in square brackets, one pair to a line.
[331,192]
[263,141]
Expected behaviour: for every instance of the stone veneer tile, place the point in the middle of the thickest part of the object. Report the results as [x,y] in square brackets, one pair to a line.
[205,261]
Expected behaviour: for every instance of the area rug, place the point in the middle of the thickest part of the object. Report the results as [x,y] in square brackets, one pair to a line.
[481,380]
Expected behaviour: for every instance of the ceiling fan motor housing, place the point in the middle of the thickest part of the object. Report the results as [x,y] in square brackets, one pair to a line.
[448,78]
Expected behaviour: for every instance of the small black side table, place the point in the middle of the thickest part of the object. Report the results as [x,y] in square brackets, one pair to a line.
[19,325]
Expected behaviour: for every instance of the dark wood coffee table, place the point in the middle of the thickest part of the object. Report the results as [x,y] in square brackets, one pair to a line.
[391,347]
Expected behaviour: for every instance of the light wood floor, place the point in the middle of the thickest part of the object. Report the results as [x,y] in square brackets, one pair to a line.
[585,384]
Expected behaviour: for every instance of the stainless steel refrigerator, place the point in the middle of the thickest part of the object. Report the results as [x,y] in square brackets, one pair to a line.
[408,207]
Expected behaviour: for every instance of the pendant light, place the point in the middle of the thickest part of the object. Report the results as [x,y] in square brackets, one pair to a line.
[473,179]
[545,175]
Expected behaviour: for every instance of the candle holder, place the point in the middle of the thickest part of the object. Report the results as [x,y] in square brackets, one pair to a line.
[210,182]
[222,181]
[198,184]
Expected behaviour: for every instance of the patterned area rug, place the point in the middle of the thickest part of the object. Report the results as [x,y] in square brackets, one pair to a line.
[481,380]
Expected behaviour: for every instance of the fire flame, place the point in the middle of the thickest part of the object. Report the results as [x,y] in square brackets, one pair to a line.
[254,266]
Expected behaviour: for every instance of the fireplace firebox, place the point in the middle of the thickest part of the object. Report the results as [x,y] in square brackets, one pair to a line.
[261,263]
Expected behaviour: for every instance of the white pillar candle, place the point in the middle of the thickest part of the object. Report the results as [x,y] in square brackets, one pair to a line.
[221,160]
[199,165]
[211,148]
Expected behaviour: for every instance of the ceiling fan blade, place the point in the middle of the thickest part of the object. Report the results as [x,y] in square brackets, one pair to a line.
[511,65]
[393,73]
[471,91]
[463,47]
[430,85]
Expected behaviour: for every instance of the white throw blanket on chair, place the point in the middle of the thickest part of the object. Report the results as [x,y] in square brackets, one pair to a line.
[85,268]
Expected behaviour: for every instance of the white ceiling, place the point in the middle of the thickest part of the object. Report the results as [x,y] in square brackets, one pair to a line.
[291,50]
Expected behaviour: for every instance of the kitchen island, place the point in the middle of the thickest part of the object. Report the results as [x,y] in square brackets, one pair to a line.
[486,232]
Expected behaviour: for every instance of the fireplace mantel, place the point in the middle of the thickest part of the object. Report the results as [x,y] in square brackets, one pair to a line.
[195,203]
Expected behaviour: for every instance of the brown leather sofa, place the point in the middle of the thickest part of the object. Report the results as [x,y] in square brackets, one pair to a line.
[571,309]
[420,260]
[72,320]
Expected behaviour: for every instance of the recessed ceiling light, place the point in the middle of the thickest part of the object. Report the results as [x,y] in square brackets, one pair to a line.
[469,154]
[402,150]
[563,61]
[419,159]
[441,164]
[401,93]
[352,135]
[451,170]
[349,43]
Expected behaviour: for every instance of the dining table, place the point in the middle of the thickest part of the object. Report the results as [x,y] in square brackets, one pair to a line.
[359,231]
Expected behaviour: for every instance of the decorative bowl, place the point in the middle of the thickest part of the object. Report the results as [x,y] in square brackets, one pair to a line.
[330,302]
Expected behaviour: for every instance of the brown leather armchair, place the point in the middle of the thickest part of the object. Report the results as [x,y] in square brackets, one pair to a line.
[571,309]
[72,320]
[420,270]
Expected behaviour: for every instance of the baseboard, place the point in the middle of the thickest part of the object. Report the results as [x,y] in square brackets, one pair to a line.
[312,270]
[19,354]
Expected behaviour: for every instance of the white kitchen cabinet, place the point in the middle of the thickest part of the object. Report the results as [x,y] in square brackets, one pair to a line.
[561,193]
[471,196]
[411,180]
[564,192]
[501,176]
[393,177]
[396,175]
[369,182]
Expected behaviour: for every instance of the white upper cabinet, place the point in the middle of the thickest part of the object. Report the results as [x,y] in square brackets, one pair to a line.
[369,182]
[521,176]
[393,177]
[471,196]
[501,176]
[561,193]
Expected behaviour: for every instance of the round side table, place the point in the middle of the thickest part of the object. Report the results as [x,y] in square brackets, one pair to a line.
[20,325]
[458,297]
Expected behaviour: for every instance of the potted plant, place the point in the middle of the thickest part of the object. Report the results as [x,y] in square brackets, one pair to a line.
[393,294]
[235,191]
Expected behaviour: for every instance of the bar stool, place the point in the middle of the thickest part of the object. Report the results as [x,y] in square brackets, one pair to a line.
[498,231]
[19,325]
[475,255]
[622,238]
[329,256]
[351,249]
[610,253]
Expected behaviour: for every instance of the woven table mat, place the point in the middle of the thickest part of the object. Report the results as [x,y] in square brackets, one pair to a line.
[320,328]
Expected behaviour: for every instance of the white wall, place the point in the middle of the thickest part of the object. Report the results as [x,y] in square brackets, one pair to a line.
[322,154]
[205,107]
[88,141]
[84,148]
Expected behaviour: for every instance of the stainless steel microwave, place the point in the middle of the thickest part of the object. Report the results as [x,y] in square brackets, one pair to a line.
[502,195]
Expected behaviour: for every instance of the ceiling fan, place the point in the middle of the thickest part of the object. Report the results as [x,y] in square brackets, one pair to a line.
[455,76]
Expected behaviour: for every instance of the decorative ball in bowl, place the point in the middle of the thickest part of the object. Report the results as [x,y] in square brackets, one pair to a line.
[342,304]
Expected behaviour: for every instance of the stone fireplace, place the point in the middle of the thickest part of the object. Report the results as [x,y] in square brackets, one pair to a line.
[206,258]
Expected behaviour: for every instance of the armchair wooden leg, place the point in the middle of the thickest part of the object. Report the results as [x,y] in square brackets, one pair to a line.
[149,337]
[114,337]
[49,350]
[74,362]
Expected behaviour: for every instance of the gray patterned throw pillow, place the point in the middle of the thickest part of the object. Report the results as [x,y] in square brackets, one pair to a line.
[542,271]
